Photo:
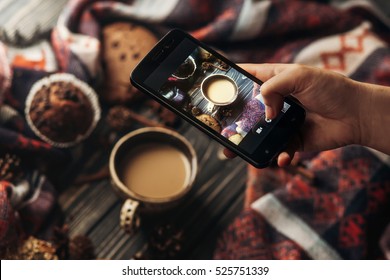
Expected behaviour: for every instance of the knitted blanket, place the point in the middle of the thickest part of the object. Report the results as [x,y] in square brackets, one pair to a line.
[342,213]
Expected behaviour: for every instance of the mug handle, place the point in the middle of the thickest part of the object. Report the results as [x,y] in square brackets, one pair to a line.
[213,109]
[129,218]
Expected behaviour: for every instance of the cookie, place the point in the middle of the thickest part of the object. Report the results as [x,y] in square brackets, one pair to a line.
[124,45]
[37,249]
[210,121]
[62,110]
[236,138]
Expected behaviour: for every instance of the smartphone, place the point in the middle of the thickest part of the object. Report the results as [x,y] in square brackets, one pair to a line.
[216,96]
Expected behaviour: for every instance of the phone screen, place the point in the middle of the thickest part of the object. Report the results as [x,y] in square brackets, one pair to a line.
[209,90]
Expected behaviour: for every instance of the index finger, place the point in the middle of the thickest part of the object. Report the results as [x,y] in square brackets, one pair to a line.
[272,90]
[264,71]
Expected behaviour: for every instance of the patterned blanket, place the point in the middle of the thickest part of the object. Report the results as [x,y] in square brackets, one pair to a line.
[342,213]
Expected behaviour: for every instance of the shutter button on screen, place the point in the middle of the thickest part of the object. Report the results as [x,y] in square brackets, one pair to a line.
[261,124]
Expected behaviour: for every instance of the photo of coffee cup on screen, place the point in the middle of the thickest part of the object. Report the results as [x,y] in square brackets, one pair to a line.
[216,94]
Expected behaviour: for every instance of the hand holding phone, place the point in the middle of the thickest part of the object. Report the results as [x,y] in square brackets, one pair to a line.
[337,106]
[216,96]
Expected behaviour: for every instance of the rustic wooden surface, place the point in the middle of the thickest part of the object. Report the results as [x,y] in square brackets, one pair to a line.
[93,209]
[216,198]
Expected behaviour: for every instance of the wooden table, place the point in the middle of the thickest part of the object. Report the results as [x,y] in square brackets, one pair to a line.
[93,209]
[216,198]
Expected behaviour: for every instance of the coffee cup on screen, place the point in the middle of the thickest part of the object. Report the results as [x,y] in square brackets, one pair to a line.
[219,90]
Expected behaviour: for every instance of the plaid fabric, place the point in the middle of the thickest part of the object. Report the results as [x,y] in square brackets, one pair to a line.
[27,208]
[22,20]
[8,233]
[350,37]
[341,214]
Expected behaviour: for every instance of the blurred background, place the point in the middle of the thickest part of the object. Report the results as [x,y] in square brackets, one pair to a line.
[58,202]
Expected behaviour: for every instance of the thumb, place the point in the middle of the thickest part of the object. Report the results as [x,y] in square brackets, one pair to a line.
[278,83]
[286,157]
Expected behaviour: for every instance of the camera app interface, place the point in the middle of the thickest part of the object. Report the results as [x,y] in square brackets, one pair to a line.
[218,95]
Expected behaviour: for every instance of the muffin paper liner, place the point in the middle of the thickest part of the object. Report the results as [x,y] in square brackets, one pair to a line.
[84,87]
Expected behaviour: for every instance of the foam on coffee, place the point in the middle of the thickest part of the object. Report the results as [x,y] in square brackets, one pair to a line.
[156,171]
[219,90]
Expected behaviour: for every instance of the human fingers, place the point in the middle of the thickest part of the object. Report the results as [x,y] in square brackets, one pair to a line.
[286,157]
[275,89]
[264,71]
[278,83]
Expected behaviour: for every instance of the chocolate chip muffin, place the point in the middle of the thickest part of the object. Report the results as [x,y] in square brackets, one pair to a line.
[124,45]
[62,110]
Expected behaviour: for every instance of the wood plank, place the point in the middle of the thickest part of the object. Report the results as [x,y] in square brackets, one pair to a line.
[215,199]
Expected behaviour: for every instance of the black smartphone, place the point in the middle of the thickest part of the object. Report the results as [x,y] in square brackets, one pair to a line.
[215,95]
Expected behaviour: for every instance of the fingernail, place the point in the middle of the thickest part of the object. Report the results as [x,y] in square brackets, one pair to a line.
[269,112]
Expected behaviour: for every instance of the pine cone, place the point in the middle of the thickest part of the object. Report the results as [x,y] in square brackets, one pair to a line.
[36,249]
[61,241]
[168,117]
[9,167]
[164,114]
[166,241]
[119,118]
[81,248]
